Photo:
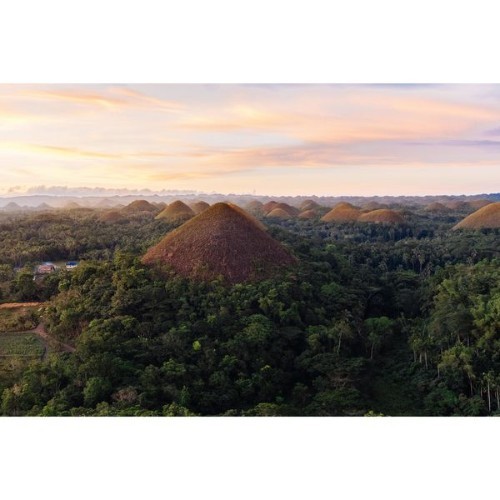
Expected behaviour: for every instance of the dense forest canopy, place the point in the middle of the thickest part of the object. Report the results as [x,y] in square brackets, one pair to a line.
[374,319]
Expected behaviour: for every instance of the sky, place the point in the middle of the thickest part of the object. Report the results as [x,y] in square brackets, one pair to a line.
[268,139]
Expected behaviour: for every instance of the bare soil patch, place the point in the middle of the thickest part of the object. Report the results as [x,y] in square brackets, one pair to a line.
[18,305]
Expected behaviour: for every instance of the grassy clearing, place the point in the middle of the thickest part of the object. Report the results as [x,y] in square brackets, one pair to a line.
[23,344]
[19,319]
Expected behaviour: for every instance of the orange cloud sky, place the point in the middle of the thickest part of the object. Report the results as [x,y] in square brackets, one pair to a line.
[168,136]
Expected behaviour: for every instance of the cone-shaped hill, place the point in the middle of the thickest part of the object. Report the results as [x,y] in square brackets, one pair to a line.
[456,205]
[279,213]
[72,205]
[308,214]
[308,205]
[373,205]
[269,206]
[436,207]
[160,205]
[44,206]
[104,203]
[486,217]
[139,206]
[342,212]
[255,207]
[288,209]
[177,211]
[477,204]
[382,215]
[12,207]
[111,216]
[222,241]
[199,206]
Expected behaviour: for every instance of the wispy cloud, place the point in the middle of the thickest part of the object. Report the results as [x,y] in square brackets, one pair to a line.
[55,151]
[113,97]
[356,117]
[492,132]
[479,143]
[137,98]
[75,97]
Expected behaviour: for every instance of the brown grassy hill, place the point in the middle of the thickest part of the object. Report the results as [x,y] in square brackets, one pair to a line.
[269,206]
[288,208]
[139,206]
[176,212]
[308,214]
[111,216]
[342,212]
[199,206]
[104,203]
[345,204]
[308,205]
[382,215]
[222,241]
[279,213]
[12,207]
[256,221]
[436,207]
[255,207]
[486,217]
[455,205]
[44,206]
[71,205]
[160,205]
[477,204]
[373,205]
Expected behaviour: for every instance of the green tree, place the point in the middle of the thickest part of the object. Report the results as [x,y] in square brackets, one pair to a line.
[377,330]
[97,389]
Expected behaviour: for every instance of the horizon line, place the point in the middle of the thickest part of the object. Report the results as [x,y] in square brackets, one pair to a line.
[148,192]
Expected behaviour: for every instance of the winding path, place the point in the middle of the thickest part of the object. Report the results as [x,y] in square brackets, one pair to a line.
[42,333]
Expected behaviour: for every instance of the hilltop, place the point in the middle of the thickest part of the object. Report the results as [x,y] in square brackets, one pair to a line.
[486,217]
[342,212]
[279,213]
[111,216]
[139,206]
[255,207]
[72,205]
[221,241]
[456,205]
[382,215]
[269,206]
[12,207]
[199,206]
[436,207]
[308,214]
[308,205]
[476,204]
[373,205]
[292,211]
[177,211]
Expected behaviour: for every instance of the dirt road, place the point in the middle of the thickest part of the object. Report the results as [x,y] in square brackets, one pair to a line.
[41,332]
[19,305]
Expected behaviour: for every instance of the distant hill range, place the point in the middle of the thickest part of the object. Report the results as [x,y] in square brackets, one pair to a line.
[47,202]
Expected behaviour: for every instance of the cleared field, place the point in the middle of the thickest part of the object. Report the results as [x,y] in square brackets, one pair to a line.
[18,319]
[23,344]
